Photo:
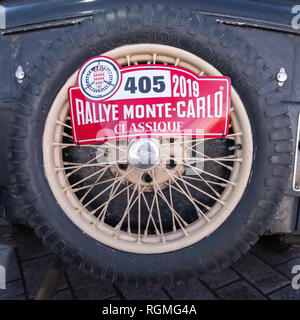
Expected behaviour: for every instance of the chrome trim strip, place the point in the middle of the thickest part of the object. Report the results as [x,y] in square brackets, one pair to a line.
[2,18]
[296,186]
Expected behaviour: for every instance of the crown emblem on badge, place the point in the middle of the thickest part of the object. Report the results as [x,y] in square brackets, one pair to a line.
[99,76]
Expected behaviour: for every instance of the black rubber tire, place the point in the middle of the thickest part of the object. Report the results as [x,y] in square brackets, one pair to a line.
[218,44]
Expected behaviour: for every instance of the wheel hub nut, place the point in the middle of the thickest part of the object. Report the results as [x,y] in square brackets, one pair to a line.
[143,153]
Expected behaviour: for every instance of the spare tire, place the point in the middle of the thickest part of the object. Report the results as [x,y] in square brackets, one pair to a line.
[67,198]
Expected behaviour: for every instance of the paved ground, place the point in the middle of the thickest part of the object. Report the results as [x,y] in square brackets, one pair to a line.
[261,274]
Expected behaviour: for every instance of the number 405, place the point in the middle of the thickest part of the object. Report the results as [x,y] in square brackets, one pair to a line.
[182,87]
[145,84]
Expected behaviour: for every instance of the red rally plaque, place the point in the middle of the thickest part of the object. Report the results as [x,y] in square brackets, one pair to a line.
[111,102]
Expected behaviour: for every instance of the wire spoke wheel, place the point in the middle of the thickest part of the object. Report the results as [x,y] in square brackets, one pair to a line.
[189,192]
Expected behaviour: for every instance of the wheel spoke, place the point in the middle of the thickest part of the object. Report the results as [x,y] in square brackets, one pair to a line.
[67,145]
[86,165]
[207,183]
[150,216]
[158,210]
[139,215]
[188,196]
[174,212]
[90,161]
[217,160]
[119,225]
[171,202]
[63,124]
[210,182]
[210,174]
[154,58]
[207,158]
[112,192]
[96,183]
[197,201]
[87,177]
[128,216]
[127,211]
[112,198]
[128,60]
[193,200]
[233,135]
[173,177]
[102,192]
[67,135]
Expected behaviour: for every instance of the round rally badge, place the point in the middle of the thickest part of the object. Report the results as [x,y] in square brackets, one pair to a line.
[99,78]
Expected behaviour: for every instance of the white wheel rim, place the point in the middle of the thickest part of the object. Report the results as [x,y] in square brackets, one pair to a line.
[139,242]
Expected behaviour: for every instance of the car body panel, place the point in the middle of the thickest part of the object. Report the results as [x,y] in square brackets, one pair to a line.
[273,14]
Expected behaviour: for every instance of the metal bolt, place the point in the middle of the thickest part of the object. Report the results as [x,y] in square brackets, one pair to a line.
[281,77]
[20,74]
[296,187]
[235,147]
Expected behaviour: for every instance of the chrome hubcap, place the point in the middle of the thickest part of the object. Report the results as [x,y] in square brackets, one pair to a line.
[143,153]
